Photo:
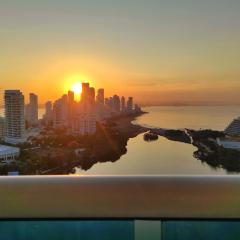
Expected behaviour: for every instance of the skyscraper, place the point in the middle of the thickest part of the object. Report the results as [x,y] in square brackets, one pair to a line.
[87,98]
[48,116]
[130,104]
[111,102]
[14,117]
[57,114]
[2,128]
[60,112]
[100,108]
[71,106]
[123,104]
[85,92]
[92,95]
[32,109]
[85,104]
[100,96]
[106,101]
[71,96]
[116,103]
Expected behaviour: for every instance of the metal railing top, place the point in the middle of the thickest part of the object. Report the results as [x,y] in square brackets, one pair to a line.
[136,197]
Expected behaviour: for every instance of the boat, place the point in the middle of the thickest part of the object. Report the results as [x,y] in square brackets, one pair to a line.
[150,136]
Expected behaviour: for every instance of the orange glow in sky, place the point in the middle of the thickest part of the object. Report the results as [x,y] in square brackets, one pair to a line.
[159,52]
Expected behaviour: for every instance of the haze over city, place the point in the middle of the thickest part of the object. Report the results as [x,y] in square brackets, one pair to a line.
[160,52]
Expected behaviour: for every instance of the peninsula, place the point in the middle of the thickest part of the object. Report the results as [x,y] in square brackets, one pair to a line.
[208,148]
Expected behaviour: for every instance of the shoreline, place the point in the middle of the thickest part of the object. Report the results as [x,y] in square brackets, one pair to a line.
[118,131]
[125,125]
[108,144]
[113,148]
[208,151]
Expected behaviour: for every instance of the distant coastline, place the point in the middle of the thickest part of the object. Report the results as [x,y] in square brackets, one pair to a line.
[42,105]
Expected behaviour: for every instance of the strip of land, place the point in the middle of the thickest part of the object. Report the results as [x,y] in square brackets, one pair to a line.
[208,149]
[56,152]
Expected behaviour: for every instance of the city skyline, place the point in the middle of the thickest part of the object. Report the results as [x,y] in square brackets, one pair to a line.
[78,115]
[76,89]
[164,52]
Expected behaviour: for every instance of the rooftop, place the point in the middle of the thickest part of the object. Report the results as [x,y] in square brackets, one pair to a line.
[8,150]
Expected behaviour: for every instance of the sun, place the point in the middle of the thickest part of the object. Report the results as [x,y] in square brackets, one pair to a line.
[74,82]
[77,88]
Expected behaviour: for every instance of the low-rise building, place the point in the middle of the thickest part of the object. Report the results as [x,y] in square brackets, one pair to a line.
[8,153]
[230,144]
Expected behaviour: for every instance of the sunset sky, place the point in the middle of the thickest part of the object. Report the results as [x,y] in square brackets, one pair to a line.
[158,51]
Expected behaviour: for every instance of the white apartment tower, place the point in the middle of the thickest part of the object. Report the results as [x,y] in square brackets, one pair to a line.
[14,117]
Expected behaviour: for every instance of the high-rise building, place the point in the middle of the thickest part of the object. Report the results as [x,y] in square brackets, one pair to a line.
[106,101]
[84,124]
[60,112]
[57,113]
[130,104]
[71,97]
[14,117]
[100,108]
[85,92]
[32,110]
[123,104]
[116,103]
[111,102]
[71,106]
[48,116]
[91,95]
[2,128]
[100,96]
[87,98]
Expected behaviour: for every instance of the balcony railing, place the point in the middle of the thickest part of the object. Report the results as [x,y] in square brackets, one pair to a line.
[120,197]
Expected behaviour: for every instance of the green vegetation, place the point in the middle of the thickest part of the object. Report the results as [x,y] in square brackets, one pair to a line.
[208,149]
[211,153]
[53,151]
[205,134]
[177,135]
